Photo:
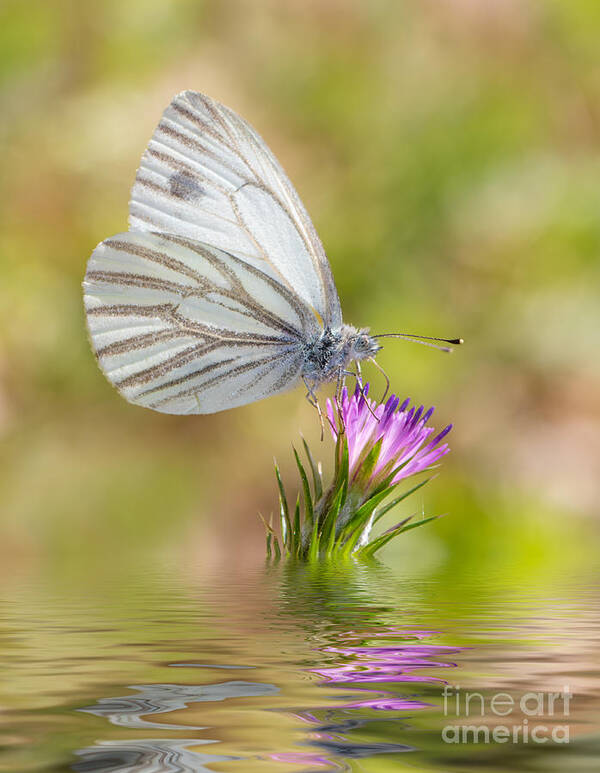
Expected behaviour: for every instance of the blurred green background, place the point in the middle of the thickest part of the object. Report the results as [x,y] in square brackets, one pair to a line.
[448,152]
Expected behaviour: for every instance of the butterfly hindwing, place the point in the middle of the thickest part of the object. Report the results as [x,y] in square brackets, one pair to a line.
[183,327]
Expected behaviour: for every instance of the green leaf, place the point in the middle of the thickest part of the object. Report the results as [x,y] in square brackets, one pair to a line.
[317,479]
[377,543]
[341,461]
[284,516]
[422,522]
[313,550]
[330,521]
[388,506]
[364,512]
[383,539]
[308,503]
[270,534]
[268,526]
[350,542]
[297,528]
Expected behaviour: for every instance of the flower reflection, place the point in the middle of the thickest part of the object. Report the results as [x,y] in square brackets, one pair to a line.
[356,663]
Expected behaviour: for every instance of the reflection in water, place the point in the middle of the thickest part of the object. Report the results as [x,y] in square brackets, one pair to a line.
[351,663]
[340,664]
[364,671]
[145,756]
[129,710]
[357,647]
[156,756]
[364,664]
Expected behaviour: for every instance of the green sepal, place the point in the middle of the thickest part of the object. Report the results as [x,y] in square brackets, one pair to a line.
[367,466]
[342,461]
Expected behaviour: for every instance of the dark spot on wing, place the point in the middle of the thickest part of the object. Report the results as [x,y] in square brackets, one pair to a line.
[183,186]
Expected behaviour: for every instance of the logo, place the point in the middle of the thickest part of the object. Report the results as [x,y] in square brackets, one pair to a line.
[533,717]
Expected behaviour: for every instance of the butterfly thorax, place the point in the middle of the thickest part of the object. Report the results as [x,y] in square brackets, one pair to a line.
[331,352]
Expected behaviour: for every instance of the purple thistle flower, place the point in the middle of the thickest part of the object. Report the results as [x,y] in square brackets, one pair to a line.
[406,448]
[377,446]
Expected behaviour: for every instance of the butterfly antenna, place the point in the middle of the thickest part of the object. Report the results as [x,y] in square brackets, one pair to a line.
[424,340]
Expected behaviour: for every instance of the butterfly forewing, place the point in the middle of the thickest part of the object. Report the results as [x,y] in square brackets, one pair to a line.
[207,175]
[183,327]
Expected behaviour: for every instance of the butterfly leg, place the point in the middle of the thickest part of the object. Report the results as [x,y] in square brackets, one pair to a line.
[338,398]
[314,401]
[358,372]
[384,374]
[361,389]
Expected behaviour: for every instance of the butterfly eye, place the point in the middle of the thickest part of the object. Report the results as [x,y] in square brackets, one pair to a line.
[361,344]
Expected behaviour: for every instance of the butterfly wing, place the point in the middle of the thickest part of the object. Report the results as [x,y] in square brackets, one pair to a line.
[207,175]
[183,327]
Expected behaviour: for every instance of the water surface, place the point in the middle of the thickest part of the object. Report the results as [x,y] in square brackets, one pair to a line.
[290,668]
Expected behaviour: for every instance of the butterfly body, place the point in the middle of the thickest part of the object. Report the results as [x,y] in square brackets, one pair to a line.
[333,351]
[220,293]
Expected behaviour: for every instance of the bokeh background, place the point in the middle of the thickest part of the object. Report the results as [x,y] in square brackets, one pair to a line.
[448,153]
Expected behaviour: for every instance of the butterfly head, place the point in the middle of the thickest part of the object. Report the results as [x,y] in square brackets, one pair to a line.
[362,345]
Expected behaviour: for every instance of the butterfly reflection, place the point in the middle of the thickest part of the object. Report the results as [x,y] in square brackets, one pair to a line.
[158,755]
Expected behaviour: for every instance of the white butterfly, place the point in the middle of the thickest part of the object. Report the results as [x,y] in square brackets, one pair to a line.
[220,293]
